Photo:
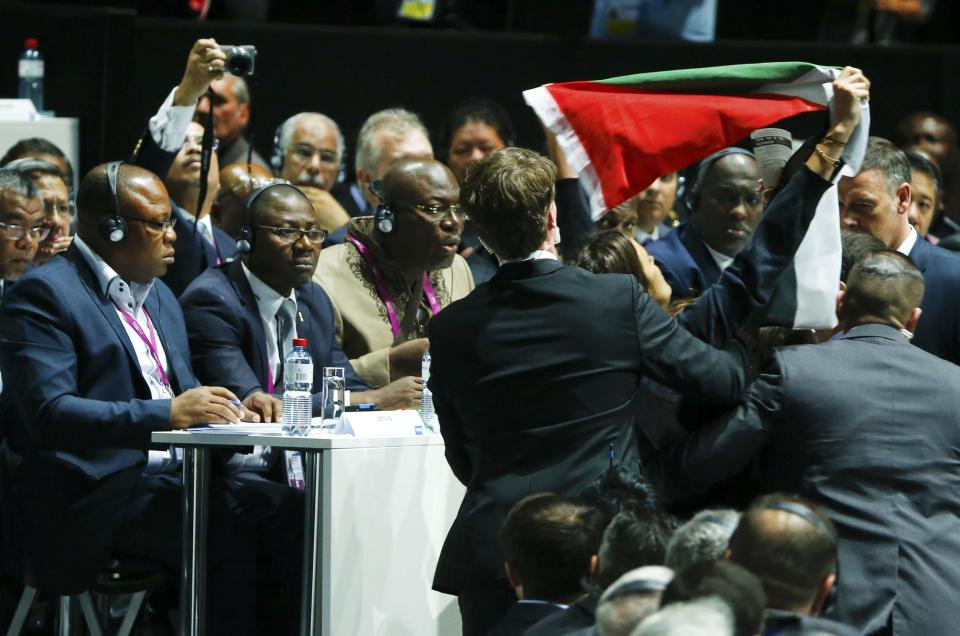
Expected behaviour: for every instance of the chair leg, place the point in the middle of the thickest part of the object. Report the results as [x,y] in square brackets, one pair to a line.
[90,614]
[23,608]
[66,611]
[133,609]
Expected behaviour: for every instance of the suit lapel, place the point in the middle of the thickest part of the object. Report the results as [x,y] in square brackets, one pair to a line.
[241,286]
[701,256]
[304,319]
[103,303]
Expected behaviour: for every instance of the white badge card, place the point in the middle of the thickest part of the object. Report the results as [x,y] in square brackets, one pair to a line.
[294,462]
[381,424]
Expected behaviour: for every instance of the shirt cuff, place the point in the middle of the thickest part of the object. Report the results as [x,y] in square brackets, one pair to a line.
[169,126]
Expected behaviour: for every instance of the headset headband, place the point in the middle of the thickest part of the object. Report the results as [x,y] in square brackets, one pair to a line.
[805,513]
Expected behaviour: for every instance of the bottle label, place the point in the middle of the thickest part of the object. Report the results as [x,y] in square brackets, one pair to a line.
[31,68]
[298,373]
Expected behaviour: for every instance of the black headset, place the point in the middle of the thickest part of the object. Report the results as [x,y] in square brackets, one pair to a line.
[383,219]
[245,240]
[692,196]
[113,228]
[276,153]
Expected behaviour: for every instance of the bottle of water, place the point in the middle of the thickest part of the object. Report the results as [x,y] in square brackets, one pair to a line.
[427,414]
[30,70]
[297,383]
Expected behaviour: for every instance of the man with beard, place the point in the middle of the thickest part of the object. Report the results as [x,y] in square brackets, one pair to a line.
[726,204]
[396,270]
[307,152]
[199,243]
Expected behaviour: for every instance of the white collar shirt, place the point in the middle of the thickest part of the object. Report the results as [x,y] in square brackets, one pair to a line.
[535,256]
[722,260]
[268,304]
[908,242]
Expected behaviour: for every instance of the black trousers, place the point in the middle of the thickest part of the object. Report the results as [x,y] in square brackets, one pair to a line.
[483,606]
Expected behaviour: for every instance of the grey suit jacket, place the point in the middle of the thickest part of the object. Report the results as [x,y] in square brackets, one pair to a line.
[868,426]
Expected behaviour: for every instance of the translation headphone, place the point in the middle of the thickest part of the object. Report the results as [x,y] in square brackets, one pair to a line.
[276,153]
[245,240]
[804,512]
[113,228]
[383,219]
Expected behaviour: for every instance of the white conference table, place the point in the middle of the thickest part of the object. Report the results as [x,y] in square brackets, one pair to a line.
[377,511]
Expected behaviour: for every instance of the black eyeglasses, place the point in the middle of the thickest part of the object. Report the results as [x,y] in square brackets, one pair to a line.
[293,234]
[160,226]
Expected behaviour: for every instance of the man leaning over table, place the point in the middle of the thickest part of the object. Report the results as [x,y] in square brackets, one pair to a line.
[94,352]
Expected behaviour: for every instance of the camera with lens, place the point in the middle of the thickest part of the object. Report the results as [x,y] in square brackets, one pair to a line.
[241,58]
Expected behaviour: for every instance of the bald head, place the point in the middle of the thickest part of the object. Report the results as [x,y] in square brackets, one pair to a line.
[234,174]
[283,195]
[405,176]
[884,287]
[790,544]
[95,200]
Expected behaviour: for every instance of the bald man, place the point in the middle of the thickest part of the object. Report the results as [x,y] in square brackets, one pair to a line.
[389,278]
[237,181]
[94,352]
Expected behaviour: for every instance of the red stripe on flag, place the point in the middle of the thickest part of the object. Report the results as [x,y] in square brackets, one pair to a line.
[633,137]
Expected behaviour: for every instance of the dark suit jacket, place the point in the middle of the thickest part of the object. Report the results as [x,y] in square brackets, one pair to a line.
[522,616]
[855,425]
[686,264]
[939,328]
[76,412]
[533,377]
[580,615]
[779,622]
[192,253]
[228,342]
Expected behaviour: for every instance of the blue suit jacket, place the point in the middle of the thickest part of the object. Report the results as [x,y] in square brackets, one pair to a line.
[939,328]
[228,341]
[77,415]
[193,254]
[685,262]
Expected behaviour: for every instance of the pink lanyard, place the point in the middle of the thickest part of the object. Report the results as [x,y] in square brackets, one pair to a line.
[385,297]
[151,342]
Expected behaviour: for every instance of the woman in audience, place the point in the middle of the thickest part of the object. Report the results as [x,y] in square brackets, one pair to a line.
[611,252]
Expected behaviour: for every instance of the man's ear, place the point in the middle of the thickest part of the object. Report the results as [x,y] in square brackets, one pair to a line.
[822,594]
[904,194]
[245,114]
[841,298]
[594,565]
[513,577]
[911,324]
[726,555]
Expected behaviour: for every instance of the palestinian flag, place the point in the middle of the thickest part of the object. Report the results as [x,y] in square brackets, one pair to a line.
[620,134]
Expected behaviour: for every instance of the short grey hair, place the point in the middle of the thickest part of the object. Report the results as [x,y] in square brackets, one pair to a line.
[240,89]
[704,538]
[31,167]
[889,160]
[398,121]
[18,184]
[620,610]
[708,616]
[285,133]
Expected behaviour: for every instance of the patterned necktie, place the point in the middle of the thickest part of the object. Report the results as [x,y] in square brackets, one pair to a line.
[285,331]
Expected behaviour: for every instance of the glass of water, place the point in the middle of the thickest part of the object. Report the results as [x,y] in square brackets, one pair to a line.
[332,397]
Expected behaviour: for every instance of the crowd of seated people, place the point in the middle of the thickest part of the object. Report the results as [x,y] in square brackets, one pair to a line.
[672,463]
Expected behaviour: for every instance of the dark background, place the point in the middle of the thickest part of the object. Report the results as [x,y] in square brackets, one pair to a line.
[112,68]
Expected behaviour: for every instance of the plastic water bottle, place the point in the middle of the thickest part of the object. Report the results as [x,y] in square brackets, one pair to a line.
[427,414]
[30,70]
[297,384]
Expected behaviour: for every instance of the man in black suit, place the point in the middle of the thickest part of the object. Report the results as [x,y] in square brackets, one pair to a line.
[233,312]
[94,352]
[551,543]
[839,424]
[529,392]
[877,201]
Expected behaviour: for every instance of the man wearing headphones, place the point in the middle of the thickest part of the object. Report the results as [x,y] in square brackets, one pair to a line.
[242,318]
[396,270]
[94,352]
[835,423]
[307,151]
[726,202]
[790,544]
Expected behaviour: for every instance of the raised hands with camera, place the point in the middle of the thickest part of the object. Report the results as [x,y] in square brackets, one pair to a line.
[205,63]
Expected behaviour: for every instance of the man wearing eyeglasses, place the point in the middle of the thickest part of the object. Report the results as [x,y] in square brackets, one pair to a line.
[242,318]
[54,192]
[308,151]
[199,244]
[386,283]
[96,356]
[21,227]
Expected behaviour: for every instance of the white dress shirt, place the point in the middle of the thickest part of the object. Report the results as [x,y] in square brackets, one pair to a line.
[168,127]
[908,242]
[268,303]
[129,298]
[722,260]
[536,255]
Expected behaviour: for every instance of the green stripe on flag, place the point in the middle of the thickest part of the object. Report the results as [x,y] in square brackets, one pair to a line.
[733,78]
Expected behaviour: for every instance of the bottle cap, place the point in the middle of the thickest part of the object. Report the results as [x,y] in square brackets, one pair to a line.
[299,342]
[31,43]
